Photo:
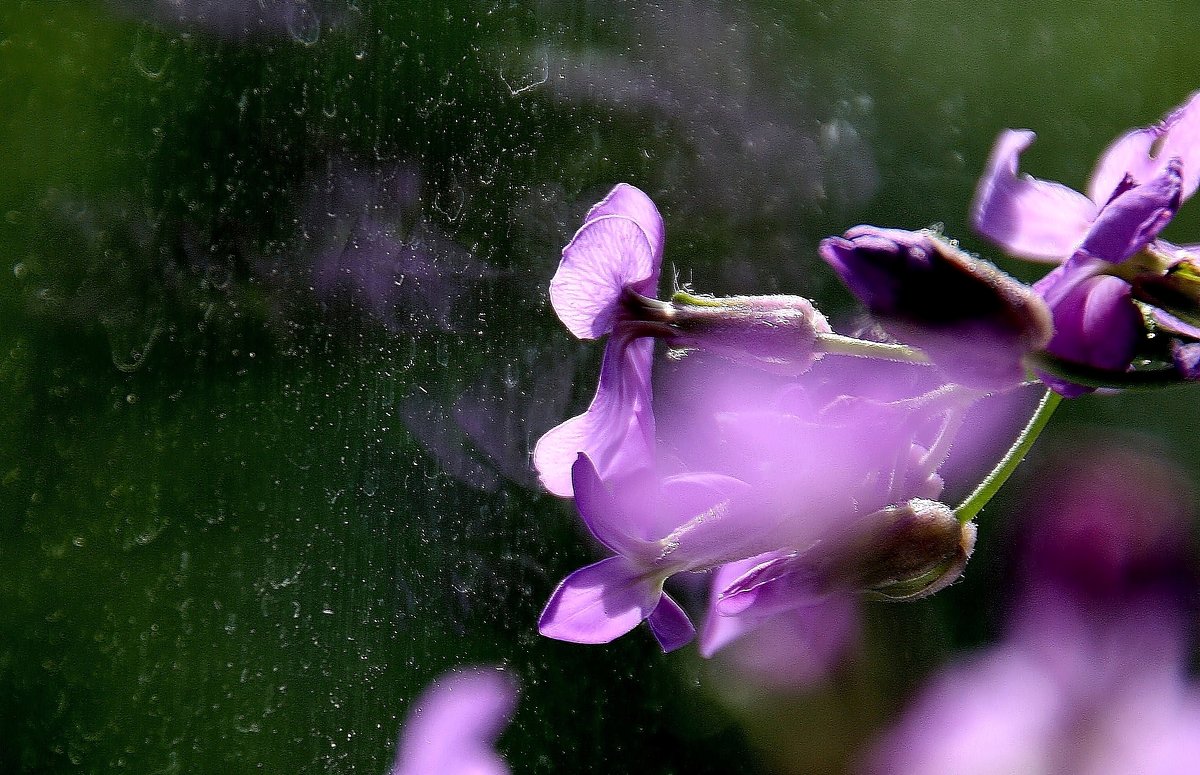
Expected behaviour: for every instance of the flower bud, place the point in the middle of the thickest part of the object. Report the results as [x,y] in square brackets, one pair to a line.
[975,322]
[773,333]
[905,552]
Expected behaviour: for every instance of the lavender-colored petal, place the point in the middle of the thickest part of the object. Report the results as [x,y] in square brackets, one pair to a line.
[453,726]
[1096,323]
[601,602]
[616,431]
[1174,325]
[630,202]
[1131,220]
[1127,157]
[711,521]
[720,630]
[606,519]
[1181,140]
[1030,218]
[619,246]
[605,256]
[1187,359]
[670,624]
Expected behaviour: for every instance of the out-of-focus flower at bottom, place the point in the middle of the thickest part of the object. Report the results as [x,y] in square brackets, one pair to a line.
[1067,693]
[453,726]
[1091,676]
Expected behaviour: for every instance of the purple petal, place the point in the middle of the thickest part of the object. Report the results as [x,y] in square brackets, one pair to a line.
[1030,218]
[1134,154]
[720,630]
[601,602]
[1187,359]
[606,519]
[1131,220]
[1096,322]
[618,246]
[715,521]
[632,203]
[616,431]
[1128,156]
[453,726]
[1182,141]
[670,624]
[1176,326]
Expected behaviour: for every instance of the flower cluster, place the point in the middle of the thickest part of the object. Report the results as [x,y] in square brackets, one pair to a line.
[1115,277]
[798,467]
[799,464]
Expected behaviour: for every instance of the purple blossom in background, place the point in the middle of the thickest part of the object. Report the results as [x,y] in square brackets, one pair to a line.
[302,20]
[453,726]
[1135,190]
[372,248]
[1090,678]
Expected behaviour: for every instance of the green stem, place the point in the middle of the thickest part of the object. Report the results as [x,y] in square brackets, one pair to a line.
[847,345]
[1090,376]
[988,488]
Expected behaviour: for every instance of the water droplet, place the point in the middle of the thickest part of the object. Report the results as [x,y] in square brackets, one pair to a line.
[150,55]
[304,25]
[20,270]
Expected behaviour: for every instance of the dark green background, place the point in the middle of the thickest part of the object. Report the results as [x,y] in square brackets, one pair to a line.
[224,546]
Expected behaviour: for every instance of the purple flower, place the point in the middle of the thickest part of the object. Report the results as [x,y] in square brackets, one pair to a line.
[751,463]
[1135,190]
[618,249]
[1065,693]
[453,726]
[655,530]
[1090,676]
[605,285]
[975,322]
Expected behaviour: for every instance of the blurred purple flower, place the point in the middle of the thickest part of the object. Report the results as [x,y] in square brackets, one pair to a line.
[1136,189]
[302,20]
[1065,693]
[453,726]
[371,248]
[975,322]
[756,464]
[1090,678]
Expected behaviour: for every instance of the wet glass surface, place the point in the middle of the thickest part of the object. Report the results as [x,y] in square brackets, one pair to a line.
[276,344]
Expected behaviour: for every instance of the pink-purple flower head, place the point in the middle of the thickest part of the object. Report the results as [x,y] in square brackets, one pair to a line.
[453,726]
[1135,190]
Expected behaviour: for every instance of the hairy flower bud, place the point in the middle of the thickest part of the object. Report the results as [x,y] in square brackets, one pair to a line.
[975,322]
[905,552]
[774,333]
